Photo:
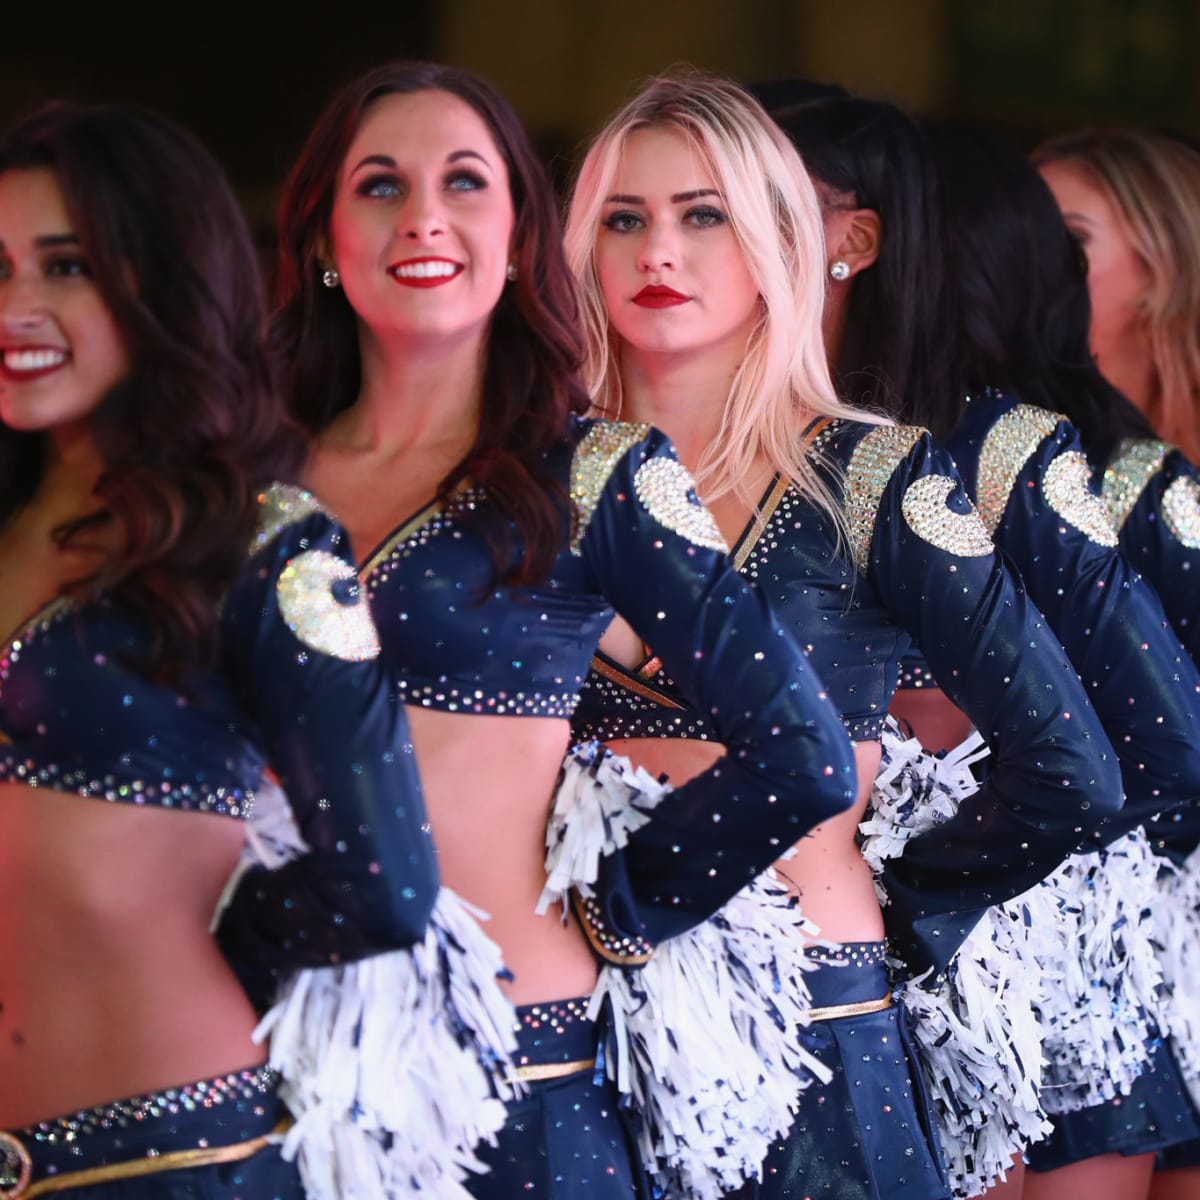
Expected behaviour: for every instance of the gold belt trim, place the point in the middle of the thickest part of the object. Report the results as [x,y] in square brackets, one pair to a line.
[534,1072]
[831,1012]
[135,1168]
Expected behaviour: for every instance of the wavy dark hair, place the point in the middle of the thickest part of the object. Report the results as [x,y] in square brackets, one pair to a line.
[1019,286]
[531,383]
[193,432]
[894,354]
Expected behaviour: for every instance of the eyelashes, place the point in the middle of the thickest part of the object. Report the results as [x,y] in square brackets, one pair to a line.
[703,216]
[391,187]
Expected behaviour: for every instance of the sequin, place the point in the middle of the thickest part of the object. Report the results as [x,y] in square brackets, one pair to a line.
[1009,445]
[1065,486]
[1137,461]
[668,492]
[279,506]
[310,604]
[595,457]
[608,944]
[926,512]
[872,464]
[1181,511]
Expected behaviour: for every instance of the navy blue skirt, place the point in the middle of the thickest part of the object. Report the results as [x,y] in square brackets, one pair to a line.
[215,1114]
[1155,1115]
[568,1139]
[867,1134]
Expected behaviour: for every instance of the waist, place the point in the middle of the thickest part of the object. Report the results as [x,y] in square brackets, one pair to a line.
[853,975]
[555,1039]
[223,1119]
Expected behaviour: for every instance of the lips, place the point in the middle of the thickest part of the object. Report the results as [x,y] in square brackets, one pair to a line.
[658,295]
[22,363]
[425,272]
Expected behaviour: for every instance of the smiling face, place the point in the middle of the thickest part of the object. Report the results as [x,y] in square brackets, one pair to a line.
[422,220]
[673,275]
[60,349]
[1117,281]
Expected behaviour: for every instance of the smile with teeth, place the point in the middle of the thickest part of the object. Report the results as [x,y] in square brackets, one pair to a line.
[32,360]
[424,272]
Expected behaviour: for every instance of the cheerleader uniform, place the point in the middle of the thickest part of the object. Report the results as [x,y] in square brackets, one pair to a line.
[297,683]
[918,565]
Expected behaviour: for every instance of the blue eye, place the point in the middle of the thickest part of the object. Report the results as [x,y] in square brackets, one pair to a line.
[705,217]
[68,267]
[623,222]
[379,187]
[465,181]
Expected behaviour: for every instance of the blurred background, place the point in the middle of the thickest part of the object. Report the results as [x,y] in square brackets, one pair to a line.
[251,79]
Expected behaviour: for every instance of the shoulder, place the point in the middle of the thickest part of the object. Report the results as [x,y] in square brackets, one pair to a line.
[641,461]
[900,469]
[1129,472]
[302,567]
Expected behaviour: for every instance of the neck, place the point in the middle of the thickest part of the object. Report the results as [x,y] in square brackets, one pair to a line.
[73,467]
[419,394]
[684,395]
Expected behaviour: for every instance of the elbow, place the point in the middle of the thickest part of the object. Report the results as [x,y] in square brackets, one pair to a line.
[404,905]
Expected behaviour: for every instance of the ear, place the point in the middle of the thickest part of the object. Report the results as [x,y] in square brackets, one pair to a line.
[857,239]
[324,252]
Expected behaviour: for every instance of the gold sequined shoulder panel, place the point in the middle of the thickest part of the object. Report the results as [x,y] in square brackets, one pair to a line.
[934,521]
[1065,486]
[281,505]
[1136,462]
[1181,511]
[1008,446]
[602,447]
[873,462]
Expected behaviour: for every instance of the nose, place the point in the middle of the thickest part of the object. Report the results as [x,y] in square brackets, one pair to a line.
[659,250]
[21,304]
[422,216]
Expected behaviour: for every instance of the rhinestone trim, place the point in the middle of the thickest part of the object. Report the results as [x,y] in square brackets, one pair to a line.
[595,458]
[1008,446]
[1137,461]
[872,465]
[1065,486]
[1181,511]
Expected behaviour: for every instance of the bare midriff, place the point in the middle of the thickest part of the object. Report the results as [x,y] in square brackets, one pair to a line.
[825,869]
[489,783]
[111,984]
[932,716]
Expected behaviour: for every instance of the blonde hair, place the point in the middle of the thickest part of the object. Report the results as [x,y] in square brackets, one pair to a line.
[1153,182]
[784,379]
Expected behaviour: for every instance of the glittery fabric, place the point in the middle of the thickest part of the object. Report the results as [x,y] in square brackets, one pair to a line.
[1006,449]
[216,1112]
[1181,511]
[925,510]
[279,506]
[1155,1115]
[601,448]
[867,1134]
[1066,486]
[568,1138]
[977,627]
[319,599]
[1137,461]
[1028,468]
[669,493]
[871,466]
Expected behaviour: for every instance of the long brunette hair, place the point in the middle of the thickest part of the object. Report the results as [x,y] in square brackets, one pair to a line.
[533,351]
[190,436]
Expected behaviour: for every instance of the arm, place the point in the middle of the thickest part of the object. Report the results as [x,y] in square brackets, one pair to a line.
[1153,494]
[300,648]
[1053,774]
[656,554]
[1031,469]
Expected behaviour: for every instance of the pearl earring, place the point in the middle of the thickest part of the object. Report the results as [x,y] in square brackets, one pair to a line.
[511,273]
[331,278]
[839,269]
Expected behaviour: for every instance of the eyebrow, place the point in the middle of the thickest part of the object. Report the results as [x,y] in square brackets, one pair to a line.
[386,160]
[677,198]
[48,241]
[1078,216]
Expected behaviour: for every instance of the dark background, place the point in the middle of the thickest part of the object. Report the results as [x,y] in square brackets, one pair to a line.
[250,79]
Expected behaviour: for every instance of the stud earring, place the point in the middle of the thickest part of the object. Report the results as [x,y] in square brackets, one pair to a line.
[331,278]
[839,269]
[511,273]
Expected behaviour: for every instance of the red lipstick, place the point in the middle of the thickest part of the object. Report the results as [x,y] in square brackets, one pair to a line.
[425,272]
[658,295]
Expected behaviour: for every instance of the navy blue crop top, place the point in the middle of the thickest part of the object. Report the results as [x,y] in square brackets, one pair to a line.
[1026,468]
[637,541]
[298,685]
[1153,495]
[919,564]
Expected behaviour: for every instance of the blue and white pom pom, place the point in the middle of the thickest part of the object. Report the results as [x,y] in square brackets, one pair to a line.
[703,1038]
